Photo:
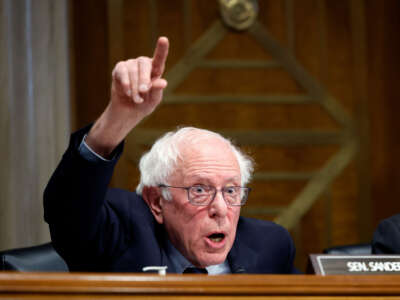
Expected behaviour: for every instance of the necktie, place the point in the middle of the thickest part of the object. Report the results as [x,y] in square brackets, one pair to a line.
[193,270]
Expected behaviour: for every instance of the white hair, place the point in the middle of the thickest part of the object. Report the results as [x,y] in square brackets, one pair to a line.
[160,162]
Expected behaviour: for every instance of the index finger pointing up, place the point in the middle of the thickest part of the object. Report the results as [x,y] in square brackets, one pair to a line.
[159,57]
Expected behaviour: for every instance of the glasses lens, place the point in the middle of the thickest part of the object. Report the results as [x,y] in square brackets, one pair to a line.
[200,194]
[235,195]
[203,195]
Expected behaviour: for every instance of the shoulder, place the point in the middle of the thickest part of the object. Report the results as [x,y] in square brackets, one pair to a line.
[263,230]
[393,221]
[128,206]
[264,236]
[124,200]
[387,236]
[390,226]
[121,196]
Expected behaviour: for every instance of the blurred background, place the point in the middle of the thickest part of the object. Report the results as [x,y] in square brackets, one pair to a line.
[307,88]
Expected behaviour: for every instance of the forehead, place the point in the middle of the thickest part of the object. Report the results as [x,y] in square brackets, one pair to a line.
[207,157]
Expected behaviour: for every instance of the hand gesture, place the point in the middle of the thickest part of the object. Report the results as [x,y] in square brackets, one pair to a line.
[137,85]
[136,90]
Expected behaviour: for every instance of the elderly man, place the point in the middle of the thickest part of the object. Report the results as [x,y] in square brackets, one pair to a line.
[185,214]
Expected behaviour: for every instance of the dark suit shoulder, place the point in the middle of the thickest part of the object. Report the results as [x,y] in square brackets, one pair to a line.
[123,200]
[130,208]
[249,228]
[392,221]
[263,227]
[386,239]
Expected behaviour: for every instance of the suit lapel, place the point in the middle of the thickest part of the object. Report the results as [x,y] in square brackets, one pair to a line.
[161,238]
[241,258]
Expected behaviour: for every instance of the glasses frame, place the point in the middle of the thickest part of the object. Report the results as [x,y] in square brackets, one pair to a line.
[187,188]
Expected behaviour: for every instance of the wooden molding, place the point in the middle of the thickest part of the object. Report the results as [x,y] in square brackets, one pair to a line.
[316,186]
[118,285]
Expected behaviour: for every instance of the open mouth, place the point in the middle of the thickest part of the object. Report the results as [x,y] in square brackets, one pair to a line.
[216,237]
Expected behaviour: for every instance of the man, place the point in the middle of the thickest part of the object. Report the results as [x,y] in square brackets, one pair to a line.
[386,238]
[185,213]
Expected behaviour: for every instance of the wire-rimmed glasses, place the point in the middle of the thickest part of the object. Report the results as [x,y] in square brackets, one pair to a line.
[203,195]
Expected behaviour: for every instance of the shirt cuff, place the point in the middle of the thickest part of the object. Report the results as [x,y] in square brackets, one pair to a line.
[87,153]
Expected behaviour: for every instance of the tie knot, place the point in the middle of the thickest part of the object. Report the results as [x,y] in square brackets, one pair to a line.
[193,270]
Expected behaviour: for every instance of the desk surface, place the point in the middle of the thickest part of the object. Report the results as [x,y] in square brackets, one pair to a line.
[17,285]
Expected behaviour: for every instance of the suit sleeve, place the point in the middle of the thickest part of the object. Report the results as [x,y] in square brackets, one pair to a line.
[386,238]
[82,225]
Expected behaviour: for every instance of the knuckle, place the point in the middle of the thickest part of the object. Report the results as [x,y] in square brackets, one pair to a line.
[116,69]
[156,71]
[125,84]
[119,68]
[130,61]
[120,65]
[133,70]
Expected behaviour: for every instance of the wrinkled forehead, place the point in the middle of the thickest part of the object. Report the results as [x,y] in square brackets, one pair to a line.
[201,148]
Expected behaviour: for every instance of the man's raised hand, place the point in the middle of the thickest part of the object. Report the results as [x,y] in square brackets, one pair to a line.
[136,90]
[138,83]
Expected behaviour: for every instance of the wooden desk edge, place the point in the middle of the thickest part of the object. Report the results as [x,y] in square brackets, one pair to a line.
[117,283]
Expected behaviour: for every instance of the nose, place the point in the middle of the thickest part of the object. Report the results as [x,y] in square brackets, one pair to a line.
[218,207]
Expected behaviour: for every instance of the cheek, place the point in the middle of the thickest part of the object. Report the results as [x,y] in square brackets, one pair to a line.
[192,234]
[233,219]
[234,215]
[195,226]
[182,223]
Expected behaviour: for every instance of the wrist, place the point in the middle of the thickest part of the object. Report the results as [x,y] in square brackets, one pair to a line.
[108,132]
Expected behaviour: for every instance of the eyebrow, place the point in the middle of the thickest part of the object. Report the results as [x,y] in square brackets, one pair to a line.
[206,179]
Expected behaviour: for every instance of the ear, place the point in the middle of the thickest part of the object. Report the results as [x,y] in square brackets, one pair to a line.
[152,197]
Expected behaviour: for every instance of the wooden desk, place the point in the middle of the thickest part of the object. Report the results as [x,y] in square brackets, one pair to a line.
[15,285]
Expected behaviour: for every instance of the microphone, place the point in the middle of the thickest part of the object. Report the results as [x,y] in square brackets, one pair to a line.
[238,270]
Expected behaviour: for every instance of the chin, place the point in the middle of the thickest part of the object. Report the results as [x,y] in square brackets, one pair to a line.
[212,259]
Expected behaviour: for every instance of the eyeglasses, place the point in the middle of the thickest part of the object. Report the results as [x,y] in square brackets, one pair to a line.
[203,195]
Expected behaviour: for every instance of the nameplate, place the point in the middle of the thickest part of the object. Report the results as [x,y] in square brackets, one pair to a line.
[324,264]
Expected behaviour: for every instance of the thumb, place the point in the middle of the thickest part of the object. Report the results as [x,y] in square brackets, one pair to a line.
[157,89]
[154,96]
[159,83]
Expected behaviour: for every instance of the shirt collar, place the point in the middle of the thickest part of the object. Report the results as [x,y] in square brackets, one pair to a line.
[180,263]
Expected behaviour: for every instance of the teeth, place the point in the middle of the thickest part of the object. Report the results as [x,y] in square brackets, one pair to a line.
[216,239]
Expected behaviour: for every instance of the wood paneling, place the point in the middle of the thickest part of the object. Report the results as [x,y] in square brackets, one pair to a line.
[90,53]
[383,90]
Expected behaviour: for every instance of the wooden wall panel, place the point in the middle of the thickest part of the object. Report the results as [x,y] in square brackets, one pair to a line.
[310,35]
[90,58]
[383,90]
[292,81]
[340,63]
[224,115]
[235,40]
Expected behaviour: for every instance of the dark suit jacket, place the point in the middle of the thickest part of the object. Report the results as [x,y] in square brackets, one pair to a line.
[99,229]
[386,238]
